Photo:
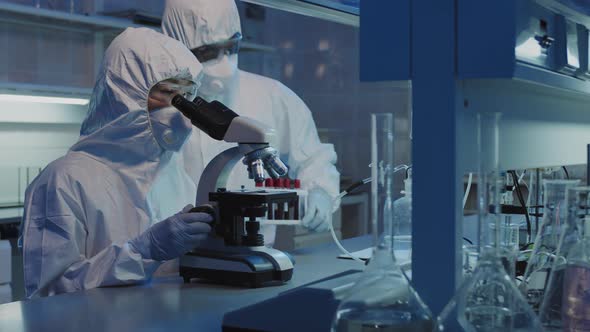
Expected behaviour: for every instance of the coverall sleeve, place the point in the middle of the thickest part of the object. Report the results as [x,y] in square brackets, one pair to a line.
[55,244]
[309,160]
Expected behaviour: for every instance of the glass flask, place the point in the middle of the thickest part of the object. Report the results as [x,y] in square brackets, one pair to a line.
[570,253]
[488,299]
[382,298]
[539,264]
[575,308]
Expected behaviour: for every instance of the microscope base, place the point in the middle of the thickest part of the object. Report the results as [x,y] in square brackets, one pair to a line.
[253,269]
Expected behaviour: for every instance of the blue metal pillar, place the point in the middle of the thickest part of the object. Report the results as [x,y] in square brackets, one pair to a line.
[416,40]
[436,232]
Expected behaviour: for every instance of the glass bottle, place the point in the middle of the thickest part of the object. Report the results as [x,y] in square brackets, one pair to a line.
[570,253]
[402,219]
[488,299]
[539,264]
[382,298]
[402,208]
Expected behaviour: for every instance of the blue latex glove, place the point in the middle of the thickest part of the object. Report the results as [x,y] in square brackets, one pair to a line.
[318,214]
[174,236]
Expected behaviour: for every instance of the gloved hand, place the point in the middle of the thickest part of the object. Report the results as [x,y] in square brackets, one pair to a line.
[174,236]
[318,214]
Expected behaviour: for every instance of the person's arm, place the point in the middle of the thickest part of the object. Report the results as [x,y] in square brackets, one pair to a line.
[309,160]
[55,245]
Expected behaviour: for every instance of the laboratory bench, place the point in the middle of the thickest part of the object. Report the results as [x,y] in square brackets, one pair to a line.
[169,304]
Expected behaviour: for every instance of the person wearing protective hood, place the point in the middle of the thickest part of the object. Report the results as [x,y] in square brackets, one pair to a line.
[211,29]
[106,213]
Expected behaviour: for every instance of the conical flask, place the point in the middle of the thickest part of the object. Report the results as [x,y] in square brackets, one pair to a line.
[382,298]
[575,308]
[539,264]
[488,299]
[559,309]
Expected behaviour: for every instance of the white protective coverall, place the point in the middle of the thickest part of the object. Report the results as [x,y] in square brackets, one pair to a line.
[120,177]
[204,22]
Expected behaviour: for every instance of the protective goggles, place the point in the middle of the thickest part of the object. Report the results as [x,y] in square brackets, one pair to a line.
[186,89]
[210,52]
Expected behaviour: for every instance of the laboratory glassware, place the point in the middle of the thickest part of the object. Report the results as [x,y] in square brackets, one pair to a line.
[508,240]
[576,300]
[402,209]
[382,299]
[539,264]
[559,307]
[488,299]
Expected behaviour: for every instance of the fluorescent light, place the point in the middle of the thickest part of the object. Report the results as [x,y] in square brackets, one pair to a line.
[529,49]
[43,100]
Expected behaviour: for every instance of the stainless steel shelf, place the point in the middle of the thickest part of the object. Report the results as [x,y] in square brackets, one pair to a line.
[43,113]
[44,90]
[21,13]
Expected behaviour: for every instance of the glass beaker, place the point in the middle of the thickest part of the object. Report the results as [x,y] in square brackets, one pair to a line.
[488,299]
[469,259]
[382,298]
[539,264]
[508,240]
[570,243]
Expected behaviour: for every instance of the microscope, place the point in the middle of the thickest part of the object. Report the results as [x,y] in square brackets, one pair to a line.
[235,252]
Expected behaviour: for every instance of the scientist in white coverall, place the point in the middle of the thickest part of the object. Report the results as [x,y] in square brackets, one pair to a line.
[211,30]
[107,213]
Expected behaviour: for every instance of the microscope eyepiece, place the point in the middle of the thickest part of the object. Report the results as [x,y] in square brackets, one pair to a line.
[213,118]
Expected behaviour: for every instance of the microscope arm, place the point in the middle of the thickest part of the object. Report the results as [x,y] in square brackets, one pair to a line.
[216,173]
[253,137]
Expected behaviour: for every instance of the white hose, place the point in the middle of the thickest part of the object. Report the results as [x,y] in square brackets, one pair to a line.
[520,180]
[344,251]
[467,190]
[338,243]
[521,176]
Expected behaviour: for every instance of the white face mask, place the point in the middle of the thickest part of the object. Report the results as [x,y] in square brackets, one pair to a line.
[171,129]
[219,75]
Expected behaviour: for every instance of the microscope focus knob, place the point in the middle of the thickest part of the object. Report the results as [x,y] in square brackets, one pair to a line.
[205,208]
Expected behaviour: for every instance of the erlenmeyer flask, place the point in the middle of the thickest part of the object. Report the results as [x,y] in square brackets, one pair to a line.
[488,299]
[576,290]
[382,299]
[570,253]
[539,264]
